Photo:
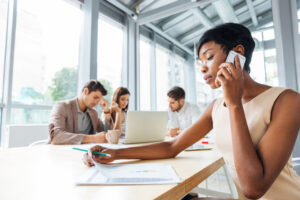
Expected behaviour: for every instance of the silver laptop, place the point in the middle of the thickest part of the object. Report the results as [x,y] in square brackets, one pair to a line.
[145,126]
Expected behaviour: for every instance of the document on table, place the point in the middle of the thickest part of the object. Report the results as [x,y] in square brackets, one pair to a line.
[129,174]
[198,146]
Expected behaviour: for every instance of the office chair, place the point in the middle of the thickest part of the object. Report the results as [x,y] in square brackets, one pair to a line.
[296,164]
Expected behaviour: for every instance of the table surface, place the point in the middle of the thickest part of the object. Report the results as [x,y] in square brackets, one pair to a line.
[50,172]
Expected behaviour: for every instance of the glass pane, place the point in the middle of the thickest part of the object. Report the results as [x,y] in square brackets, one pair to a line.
[269,34]
[298,13]
[46,51]
[257,66]
[271,67]
[0,124]
[263,63]
[29,116]
[110,54]
[179,71]
[3,28]
[145,53]
[163,77]
[257,36]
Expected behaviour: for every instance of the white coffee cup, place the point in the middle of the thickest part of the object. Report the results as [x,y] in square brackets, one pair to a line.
[112,136]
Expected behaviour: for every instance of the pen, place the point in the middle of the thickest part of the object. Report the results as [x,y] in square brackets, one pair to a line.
[104,127]
[99,153]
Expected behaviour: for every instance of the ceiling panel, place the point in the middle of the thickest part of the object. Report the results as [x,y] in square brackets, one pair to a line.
[186,27]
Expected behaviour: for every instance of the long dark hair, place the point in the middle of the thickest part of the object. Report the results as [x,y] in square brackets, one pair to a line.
[120,91]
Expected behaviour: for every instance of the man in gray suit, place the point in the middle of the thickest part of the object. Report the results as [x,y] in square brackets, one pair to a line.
[76,121]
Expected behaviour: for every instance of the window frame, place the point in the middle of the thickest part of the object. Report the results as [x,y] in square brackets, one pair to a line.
[121,26]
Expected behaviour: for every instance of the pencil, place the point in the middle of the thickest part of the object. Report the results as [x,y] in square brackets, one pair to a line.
[99,153]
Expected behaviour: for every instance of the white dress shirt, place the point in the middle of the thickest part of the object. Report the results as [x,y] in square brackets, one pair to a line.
[186,116]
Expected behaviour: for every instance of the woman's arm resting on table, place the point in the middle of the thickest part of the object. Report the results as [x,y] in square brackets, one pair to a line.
[160,150]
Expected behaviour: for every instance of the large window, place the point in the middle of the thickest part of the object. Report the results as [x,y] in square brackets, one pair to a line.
[45,58]
[169,71]
[263,64]
[110,54]
[163,77]
[3,25]
[145,53]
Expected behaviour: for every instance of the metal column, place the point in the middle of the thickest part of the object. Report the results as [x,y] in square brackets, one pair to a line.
[284,18]
[153,87]
[88,44]
[286,38]
[132,69]
[8,68]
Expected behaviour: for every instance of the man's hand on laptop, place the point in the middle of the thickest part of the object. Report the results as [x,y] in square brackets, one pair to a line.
[99,158]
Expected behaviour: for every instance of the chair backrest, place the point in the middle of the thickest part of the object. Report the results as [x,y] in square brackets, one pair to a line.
[23,135]
[296,150]
[296,155]
[296,164]
[39,142]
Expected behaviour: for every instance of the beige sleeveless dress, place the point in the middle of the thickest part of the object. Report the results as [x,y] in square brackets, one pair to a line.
[258,113]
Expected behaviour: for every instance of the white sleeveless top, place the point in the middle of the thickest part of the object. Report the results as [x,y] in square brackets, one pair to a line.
[258,115]
[123,126]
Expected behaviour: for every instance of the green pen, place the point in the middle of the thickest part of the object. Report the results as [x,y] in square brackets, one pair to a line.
[99,153]
[104,128]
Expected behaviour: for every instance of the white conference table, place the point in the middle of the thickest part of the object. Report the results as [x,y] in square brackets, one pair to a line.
[50,172]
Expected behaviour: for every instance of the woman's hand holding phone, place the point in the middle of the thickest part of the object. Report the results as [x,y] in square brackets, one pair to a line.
[230,77]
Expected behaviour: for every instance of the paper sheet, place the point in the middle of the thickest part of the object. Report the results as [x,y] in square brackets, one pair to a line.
[120,174]
[198,146]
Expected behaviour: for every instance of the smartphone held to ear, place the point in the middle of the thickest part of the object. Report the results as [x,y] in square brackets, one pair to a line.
[230,58]
[232,54]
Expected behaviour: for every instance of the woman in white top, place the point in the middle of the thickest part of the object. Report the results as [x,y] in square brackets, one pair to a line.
[121,100]
[255,125]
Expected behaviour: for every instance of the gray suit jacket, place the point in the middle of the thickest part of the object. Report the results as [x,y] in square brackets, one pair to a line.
[63,126]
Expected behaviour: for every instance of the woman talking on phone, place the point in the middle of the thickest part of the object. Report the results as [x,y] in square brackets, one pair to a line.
[255,126]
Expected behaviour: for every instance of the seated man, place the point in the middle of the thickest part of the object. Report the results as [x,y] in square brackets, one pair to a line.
[182,114]
[76,121]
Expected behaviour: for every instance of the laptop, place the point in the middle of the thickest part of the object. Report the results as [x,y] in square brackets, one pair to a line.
[145,126]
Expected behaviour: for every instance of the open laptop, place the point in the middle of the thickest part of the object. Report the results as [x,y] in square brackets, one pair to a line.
[145,126]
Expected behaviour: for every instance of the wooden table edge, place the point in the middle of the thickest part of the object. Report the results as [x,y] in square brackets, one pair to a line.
[187,185]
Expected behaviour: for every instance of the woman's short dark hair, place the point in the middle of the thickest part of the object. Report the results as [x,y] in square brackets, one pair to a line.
[176,93]
[120,91]
[94,85]
[229,35]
